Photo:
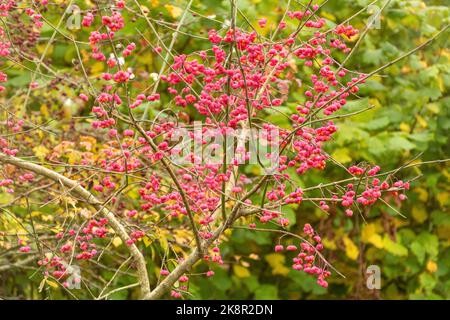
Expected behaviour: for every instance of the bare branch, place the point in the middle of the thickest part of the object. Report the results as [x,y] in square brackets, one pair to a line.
[78,191]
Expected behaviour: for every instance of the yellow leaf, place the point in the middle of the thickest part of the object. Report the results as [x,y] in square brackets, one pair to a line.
[419,214]
[44,111]
[375,102]
[443,232]
[164,244]
[117,241]
[177,248]
[88,142]
[73,157]
[377,241]
[433,107]
[256,170]
[353,38]
[328,16]
[146,59]
[276,261]
[405,127]
[51,283]
[342,155]
[147,241]
[442,197]
[56,229]
[445,173]
[329,244]
[174,12]
[97,67]
[351,250]
[441,85]
[5,198]
[182,236]
[432,266]
[241,272]
[422,122]
[47,217]
[423,194]
[368,231]
[43,47]
[40,152]
[369,235]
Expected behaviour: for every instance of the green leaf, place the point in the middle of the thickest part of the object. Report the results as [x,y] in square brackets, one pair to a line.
[373,57]
[427,281]
[419,251]
[377,124]
[400,143]
[266,292]
[430,242]
[394,247]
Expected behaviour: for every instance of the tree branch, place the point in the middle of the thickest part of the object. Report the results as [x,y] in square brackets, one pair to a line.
[77,190]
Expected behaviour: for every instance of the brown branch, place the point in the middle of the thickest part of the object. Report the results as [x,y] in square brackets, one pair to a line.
[196,255]
[183,267]
[174,178]
[19,264]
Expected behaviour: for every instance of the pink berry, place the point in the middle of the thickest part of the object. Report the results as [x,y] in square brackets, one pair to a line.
[262,22]
[25,249]
[164,272]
